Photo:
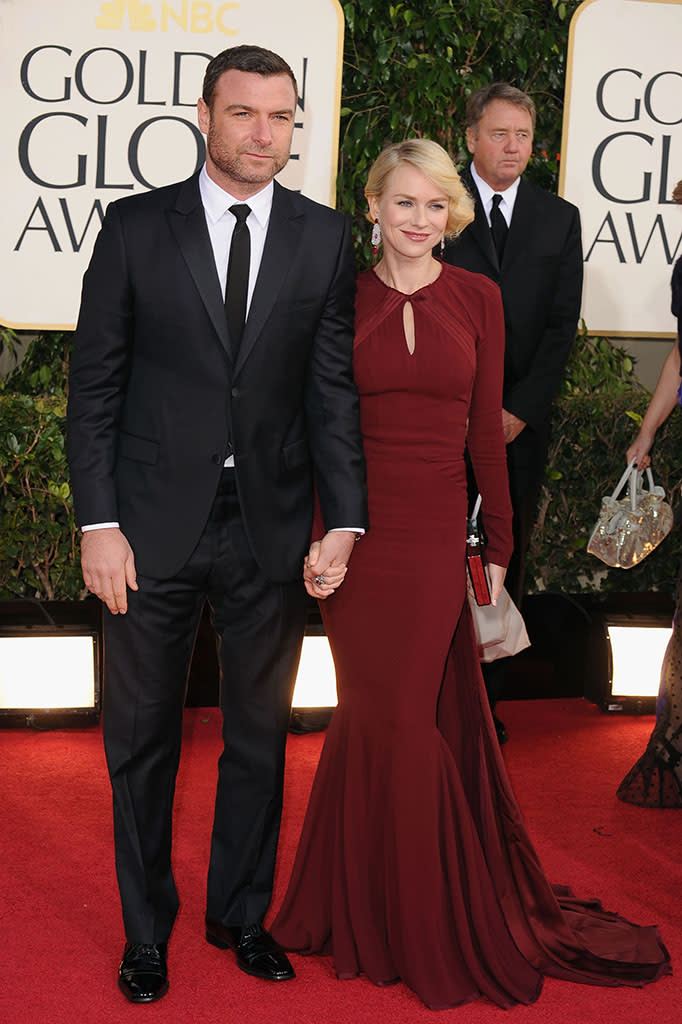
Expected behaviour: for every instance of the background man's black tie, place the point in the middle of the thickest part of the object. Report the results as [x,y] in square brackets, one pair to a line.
[237,286]
[498,226]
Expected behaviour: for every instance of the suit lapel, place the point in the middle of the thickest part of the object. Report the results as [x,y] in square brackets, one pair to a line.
[480,229]
[283,237]
[188,224]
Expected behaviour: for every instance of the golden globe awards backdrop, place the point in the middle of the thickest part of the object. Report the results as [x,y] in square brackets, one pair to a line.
[99,101]
[621,157]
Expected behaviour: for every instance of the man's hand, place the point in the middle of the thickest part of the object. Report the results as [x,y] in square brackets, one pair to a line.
[108,567]
[327,558]
[511,426]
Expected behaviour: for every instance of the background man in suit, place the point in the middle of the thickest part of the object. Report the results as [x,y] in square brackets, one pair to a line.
[528,241]
[193,441]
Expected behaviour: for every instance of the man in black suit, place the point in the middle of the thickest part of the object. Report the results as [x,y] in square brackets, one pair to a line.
[528,241]
[211,383]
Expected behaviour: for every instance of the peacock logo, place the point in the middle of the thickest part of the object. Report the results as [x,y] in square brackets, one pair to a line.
[194,16]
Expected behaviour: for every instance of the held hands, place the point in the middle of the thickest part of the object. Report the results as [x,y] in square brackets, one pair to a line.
[325,565]
[108,567]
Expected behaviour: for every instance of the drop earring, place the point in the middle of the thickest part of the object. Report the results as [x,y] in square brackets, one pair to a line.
[376,237]
[442,246]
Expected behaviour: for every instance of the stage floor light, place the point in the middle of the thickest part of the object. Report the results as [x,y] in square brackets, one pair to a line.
[636,658]
[315,690]
[316,679]
[636,654]
[48,672]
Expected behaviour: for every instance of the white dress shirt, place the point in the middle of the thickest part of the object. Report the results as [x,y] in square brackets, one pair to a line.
[221,222]
[486,193]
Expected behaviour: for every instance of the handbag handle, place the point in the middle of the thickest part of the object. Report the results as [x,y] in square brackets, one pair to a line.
[472,523]
[630,476]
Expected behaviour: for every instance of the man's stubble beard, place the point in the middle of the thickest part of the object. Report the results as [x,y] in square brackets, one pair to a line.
[232,166]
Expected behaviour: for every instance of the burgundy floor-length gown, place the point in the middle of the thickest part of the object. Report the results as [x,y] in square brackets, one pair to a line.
[414,862]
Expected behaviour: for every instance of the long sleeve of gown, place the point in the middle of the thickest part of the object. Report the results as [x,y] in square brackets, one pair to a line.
[485,438]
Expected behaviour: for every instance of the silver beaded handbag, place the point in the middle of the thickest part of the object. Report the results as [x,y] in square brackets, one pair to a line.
[630,527]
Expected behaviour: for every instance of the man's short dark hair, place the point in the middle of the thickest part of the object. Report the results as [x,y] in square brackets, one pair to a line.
[254,59]
[480,99]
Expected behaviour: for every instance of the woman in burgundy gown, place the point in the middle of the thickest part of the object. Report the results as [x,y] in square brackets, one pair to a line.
[414,862]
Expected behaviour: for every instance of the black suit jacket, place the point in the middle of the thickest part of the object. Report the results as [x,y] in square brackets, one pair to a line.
[155,395]
[541,283]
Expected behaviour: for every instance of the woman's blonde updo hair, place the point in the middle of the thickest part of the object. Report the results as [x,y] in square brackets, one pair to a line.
[433,161]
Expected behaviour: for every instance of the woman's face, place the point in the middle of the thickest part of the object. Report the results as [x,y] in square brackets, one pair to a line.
[412,212]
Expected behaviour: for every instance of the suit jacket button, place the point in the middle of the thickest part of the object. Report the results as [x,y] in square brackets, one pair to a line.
[236,392]
[216,460]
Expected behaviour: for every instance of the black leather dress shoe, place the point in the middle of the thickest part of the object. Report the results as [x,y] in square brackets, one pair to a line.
[256,951]
[501,730]
[143,975]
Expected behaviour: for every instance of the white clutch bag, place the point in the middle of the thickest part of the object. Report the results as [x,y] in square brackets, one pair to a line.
[500,629]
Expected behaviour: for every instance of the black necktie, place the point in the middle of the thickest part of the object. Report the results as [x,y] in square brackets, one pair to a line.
[498,226]
[237,285]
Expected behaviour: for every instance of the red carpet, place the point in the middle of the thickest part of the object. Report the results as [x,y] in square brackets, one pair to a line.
[60,929]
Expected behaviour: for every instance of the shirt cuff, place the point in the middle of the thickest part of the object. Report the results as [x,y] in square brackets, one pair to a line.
[99,526]
[357,530]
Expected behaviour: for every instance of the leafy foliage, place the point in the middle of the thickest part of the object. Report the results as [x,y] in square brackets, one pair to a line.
[44,368]
[9,343]
[39,554]
[599,367]
[38,546]
[409,69]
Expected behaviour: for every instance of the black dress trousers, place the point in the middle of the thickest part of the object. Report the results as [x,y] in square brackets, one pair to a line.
[259,626]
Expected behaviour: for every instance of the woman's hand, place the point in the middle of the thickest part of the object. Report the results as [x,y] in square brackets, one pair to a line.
[640,448]
[663,401]
[324,571]
[496,574]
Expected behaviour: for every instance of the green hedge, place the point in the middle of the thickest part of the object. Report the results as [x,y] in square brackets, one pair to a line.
[595,420]
[38,544]
[39,551]
[409,69]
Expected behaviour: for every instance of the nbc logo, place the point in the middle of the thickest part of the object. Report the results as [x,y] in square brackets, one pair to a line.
[196,16]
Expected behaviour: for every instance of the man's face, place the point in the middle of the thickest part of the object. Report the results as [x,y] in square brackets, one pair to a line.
[501,143]
[248,130]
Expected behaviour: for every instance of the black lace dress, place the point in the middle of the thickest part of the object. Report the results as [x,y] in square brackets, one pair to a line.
[656,778]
